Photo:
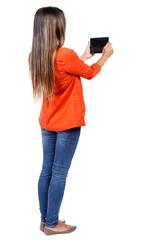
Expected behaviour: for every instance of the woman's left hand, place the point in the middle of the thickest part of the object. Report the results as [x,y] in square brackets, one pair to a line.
[86,55]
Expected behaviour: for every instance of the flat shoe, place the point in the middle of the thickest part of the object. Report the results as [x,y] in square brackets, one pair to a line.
[42,225]
[48,231]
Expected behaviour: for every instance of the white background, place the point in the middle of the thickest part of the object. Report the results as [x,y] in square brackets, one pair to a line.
[107,193]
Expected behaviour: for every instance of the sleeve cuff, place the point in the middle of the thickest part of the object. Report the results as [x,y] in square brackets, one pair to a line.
[97,67]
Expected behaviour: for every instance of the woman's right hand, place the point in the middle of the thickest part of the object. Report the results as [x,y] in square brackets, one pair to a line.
[106,53]
[107,50]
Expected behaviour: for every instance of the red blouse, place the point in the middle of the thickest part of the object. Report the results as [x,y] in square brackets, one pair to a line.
[67,107]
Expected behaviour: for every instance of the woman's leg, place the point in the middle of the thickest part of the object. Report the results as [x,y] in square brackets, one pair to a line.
[49,143]
[66,144]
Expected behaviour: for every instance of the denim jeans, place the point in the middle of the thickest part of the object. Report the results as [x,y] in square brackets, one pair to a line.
[58,151]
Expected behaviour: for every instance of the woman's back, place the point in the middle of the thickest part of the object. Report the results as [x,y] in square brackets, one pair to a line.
[67,108]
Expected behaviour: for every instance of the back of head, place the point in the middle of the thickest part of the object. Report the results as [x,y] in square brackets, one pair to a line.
[48,35]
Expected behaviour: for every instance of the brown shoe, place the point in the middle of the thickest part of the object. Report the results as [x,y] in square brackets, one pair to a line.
[51,232]
[42,224]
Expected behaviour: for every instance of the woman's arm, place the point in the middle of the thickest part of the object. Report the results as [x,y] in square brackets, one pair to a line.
[83,57]
[74,65]
[107,52]
[102,60]
[86,55]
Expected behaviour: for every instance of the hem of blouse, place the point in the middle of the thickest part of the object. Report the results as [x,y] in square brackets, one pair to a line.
[73,126]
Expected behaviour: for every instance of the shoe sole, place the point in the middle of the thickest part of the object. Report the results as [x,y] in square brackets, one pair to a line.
[48,231]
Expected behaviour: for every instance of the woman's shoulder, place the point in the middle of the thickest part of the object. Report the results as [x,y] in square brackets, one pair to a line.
[66,54]
[65,51]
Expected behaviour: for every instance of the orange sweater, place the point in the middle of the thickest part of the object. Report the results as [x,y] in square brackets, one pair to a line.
[67,107]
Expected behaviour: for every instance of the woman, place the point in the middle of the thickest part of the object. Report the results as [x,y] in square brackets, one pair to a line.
[55,75]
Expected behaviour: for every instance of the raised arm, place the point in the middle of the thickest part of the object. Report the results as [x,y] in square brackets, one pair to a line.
[76,66]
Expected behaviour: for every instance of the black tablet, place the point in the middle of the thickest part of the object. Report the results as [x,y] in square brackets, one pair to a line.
[97,44]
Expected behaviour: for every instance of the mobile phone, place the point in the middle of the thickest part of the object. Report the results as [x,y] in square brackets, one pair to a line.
[97,44]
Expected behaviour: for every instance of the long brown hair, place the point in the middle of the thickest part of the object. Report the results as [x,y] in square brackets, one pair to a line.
[48,35]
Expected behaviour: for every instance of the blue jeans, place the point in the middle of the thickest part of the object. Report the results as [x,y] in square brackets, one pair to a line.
[58,150]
